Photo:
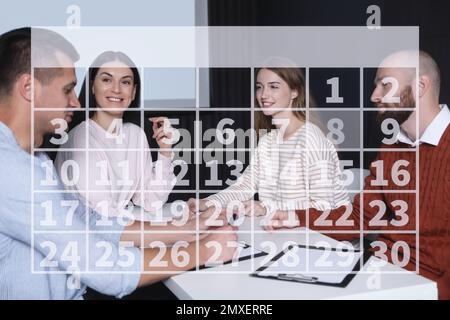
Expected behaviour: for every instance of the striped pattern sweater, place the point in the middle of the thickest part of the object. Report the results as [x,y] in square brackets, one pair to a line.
[300,172]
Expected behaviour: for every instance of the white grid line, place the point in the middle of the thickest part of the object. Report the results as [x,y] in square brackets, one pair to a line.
[211,271]
[32,173]
[252,146]
[197,144]
[290,191]
[417,176]
[227,109]
[86,143]
[307,93]
[142,164]
[242,231]
[175,150]
[361,162]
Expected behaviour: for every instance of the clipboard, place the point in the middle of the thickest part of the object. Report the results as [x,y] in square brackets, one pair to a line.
[341,278]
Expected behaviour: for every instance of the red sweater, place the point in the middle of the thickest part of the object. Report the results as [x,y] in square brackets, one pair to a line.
[434,210]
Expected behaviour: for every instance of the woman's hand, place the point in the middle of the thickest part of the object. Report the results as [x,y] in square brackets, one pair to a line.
[207,220]
[280,219]
[163,133]
[254,208]
[202,205]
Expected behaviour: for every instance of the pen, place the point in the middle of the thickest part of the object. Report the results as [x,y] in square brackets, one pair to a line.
[296,277]
[242,244]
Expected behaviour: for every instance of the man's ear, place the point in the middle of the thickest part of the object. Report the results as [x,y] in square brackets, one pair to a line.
[424,85]
[24,86]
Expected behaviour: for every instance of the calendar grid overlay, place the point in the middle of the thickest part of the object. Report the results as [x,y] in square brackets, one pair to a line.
[198,149]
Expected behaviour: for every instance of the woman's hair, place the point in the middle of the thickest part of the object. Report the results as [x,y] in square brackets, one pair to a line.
[295,79]
[105,57]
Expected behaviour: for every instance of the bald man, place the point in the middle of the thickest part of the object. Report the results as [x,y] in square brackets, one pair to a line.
[409,102]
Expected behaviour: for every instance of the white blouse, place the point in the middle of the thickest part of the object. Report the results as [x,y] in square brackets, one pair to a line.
[115,169]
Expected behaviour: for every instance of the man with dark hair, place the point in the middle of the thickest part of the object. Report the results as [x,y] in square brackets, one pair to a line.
[17,54]
[44,252]
[17,41]
[48,49]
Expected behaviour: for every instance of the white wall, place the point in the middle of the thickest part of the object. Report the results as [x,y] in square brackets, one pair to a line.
[19,13]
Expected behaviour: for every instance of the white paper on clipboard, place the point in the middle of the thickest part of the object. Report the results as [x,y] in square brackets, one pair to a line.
[329,266]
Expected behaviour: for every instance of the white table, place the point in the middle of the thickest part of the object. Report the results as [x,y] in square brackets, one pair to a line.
[216,283]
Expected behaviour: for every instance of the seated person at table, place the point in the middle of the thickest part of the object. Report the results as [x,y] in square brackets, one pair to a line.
[396,211]
[119,167]
[45,253]
[294,165]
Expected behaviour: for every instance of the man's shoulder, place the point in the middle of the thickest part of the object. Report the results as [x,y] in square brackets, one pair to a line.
[18,169]
[15,171]
[13,159]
